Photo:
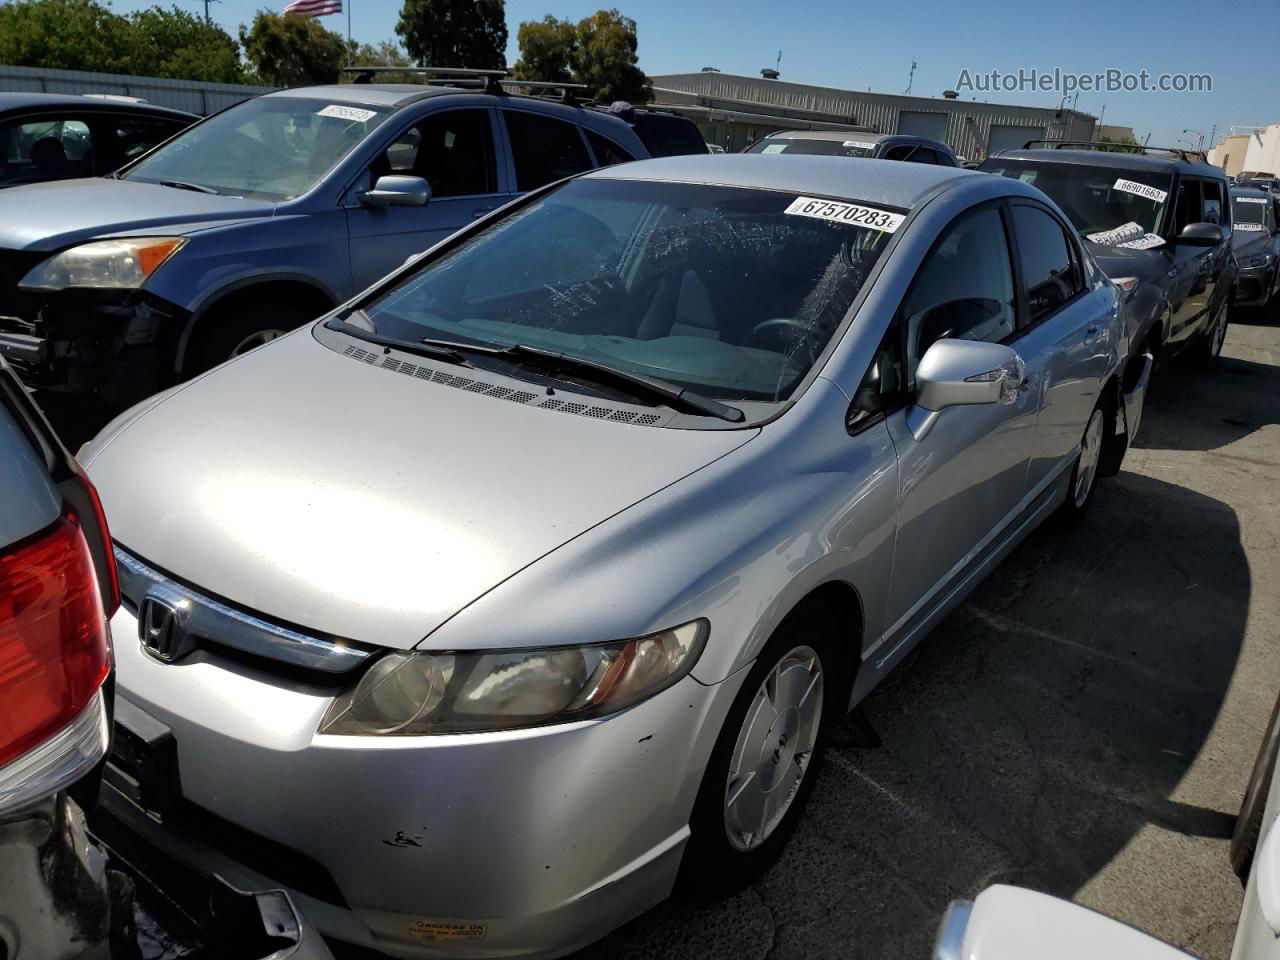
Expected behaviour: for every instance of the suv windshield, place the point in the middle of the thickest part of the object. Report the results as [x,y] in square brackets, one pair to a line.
[271,148]
[852,147]
[1109,206]
[730,292]
[1251,214]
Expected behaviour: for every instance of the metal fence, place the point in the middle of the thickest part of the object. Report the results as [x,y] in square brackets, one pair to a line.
[190,95]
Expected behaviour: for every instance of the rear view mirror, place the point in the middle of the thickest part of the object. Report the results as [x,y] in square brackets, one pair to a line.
[1201,235]
[961,373]
[397,191]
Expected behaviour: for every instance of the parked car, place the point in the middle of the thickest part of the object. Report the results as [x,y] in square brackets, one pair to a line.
[58,137]
[663,132]
[261,218]
[1010,923]
[1260,181]
[715,148]
[57,590]
[1157,222]
[557,593]
[846,143]
[1255,241]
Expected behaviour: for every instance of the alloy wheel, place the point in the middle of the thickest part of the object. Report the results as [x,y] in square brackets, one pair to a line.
[255,339]
[1219,333]
[1090,452]
[774,748]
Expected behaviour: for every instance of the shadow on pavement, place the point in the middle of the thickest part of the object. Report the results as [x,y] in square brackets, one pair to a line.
[1026,741]
[1205,409]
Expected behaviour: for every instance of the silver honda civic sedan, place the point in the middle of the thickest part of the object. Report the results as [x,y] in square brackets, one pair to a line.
[484,609]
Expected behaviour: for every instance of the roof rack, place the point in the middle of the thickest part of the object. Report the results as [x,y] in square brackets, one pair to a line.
[1187,156]
[566,90]
[489,80]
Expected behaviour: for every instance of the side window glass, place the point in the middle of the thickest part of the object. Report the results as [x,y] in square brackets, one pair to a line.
[607,152]
[883,385]
[134,136]
[924,155]
[1188,211]
[544,149]
[452,151]
[36,150]
[898,153]
[1213,207]
[1047,270]
[963,290]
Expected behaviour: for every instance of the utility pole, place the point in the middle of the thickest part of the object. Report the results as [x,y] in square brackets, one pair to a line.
[207,18]
[1102,113]
[912,78]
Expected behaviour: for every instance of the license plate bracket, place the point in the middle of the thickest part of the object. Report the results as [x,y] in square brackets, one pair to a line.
[143,763]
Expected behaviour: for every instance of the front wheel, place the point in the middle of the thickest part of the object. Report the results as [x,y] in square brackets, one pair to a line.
[229,335]
[1084,476]
[1210,345]
[765,760]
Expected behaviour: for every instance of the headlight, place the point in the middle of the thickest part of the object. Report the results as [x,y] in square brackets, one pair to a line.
[1261,260]
[104,264]
[415,694]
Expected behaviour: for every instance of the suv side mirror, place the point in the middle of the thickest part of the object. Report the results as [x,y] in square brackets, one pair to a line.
[397,191]
[956,373]
[1201,235]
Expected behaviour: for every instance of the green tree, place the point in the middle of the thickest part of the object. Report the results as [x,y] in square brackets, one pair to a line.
[455,33]
[175,43]
[64,35]
[290,50]
[385,54]
[606,58]
[548,50]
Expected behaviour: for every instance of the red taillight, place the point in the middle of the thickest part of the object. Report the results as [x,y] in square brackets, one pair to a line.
[111,602]
[53,636]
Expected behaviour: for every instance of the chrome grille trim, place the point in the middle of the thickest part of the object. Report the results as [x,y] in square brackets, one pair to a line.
[210,619]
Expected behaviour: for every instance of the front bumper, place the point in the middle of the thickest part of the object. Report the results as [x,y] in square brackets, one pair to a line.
[1254,285]
[528,843]
[118,345]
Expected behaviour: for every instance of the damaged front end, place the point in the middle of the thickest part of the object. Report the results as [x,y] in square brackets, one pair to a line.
[117,345]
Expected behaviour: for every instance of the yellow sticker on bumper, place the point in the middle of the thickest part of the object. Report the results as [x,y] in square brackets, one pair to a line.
[436,931]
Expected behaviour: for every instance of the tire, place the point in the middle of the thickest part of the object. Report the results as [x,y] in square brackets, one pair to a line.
[1209,346]
[228,335]
[1084,474]
[724,852]
[1248,829]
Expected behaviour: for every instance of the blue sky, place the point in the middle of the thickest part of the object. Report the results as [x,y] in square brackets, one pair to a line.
[856,46]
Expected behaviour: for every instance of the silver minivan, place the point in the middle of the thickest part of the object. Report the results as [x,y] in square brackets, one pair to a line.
[483,609]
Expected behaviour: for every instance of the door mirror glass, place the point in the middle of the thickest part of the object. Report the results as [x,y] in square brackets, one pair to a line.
[1201,234]
[397,191]
[963,372]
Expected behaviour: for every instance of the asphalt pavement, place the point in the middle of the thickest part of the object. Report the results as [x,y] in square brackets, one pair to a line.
[1083,725]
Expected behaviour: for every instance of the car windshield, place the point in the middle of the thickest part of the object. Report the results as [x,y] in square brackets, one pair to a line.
[1109,206]
[730,292]
[1251,213]
[271,148]
[850,147]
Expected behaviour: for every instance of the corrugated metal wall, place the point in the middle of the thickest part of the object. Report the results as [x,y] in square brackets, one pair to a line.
[189,95]
[968,121]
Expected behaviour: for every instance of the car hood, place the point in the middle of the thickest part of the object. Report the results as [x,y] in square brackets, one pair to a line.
[50,216]
[349,500]
[1249,242]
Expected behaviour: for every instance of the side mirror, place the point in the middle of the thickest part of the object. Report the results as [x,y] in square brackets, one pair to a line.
[397,191]
[1201,235]
[956,373]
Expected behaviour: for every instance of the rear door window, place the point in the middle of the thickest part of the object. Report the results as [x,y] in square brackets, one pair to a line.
[131,137]
[544,149]
[607,152]
[53,148]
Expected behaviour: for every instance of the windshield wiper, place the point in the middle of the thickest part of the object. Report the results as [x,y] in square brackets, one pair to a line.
[636,384]
[185,185]
[423,348]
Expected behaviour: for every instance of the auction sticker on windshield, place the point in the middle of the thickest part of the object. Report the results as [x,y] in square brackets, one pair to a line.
[1250,227]
[1140,190]
[340,112]
[859,144]
[1129,235]
[1252,200]
[869,218]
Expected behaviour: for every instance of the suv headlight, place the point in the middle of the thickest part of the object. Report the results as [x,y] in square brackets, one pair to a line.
[415,694]
[1261,260]
[123,264]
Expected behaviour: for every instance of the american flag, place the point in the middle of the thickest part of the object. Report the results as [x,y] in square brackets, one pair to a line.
[314,8]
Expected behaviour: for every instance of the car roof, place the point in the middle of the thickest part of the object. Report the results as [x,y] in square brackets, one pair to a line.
[867,137]
[888,182]
[1154,163]
[373,94]
[27,101]
[1238,191]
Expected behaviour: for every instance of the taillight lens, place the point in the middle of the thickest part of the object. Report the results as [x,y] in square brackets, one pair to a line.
[54,653]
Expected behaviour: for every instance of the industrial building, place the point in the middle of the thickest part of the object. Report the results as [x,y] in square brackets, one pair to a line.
[733,111]
[1248,150]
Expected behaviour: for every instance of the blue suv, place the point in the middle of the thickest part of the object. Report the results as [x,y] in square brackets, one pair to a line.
[263,217]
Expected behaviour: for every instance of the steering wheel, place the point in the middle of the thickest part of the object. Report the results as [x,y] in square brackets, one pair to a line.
[775,330]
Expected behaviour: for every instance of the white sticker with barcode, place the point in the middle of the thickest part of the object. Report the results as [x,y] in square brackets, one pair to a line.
[859,144]
[1251,227]
[340,112]
[854,214]
[1141,190]
[1144,242]
[1252,200]
[1129,235]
